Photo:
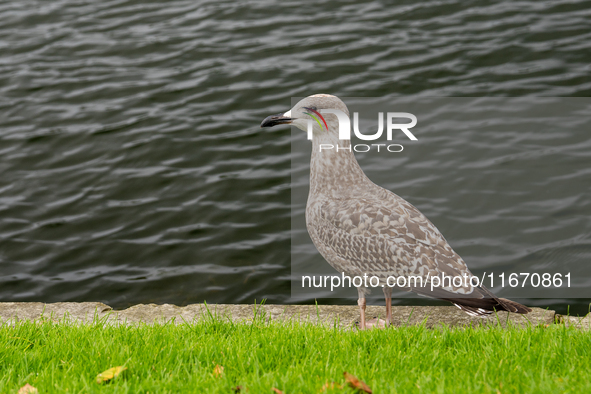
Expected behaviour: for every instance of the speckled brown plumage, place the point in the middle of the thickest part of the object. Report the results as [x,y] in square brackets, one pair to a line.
[362,228]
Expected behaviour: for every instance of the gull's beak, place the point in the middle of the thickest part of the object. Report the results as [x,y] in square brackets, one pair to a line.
[275,120]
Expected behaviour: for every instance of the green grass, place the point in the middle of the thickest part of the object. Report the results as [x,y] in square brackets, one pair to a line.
[293,358]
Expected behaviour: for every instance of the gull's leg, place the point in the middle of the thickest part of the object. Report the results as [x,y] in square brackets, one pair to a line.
[388,297]
[365,324]
[361,303]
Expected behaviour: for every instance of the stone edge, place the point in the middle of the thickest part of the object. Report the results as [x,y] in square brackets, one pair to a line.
[343,316]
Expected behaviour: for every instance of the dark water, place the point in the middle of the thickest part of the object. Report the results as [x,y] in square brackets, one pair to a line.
[132,165]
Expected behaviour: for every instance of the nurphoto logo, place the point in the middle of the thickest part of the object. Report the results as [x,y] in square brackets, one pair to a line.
[345,129]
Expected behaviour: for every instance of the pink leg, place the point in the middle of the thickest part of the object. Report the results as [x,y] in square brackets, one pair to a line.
[361,303]
[388,297]
[388,311]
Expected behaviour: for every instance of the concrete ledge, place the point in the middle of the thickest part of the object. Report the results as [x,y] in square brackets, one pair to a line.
[583,323]
[344,315]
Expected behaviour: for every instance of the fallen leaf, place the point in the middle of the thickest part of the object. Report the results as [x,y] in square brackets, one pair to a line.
[27,389]
[109,374]
[357,384]
[276,391]
[218,371]
[331,385]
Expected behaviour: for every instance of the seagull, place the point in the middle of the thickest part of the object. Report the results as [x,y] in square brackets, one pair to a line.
[361,228]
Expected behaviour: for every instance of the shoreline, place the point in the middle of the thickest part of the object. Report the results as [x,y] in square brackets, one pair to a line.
[344,316]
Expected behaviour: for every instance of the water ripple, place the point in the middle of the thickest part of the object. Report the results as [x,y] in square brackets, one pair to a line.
[133,167]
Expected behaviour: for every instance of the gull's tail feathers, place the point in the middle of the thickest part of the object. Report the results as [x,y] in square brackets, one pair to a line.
[481,302]
[485,306]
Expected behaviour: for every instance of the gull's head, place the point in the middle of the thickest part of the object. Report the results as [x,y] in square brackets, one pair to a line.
[309,109]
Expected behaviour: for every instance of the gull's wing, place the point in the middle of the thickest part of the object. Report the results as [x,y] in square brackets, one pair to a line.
[392,239]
